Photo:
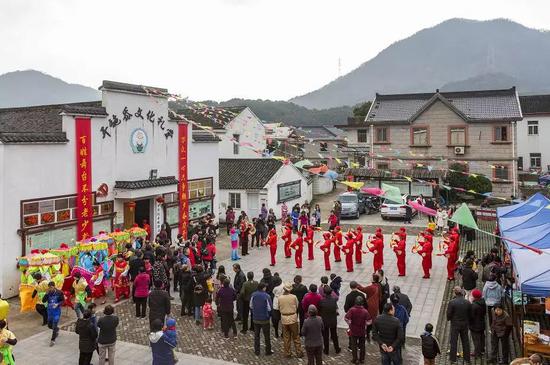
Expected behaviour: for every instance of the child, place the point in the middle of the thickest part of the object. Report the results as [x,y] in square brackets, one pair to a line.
[199,298]
[208,315]
[235,233]
[430,345]
[171,334]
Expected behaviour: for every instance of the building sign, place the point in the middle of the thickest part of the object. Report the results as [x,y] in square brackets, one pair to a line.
[127,115]
[84,201]
[289,191]
[182,185]
[138,140]
[199,209]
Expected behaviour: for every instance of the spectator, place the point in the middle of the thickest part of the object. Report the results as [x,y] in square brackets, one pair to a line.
[384,289]
[87,335]
[403,299]
[387,331]
[267,280]
[287,304]
[107,335]
[357,318]
[8,340]
[373,299]
[430,345]
[477,323]
[401,314]
[141,292]
[229,218]
[300,290]
[276,313]
[501,327]
[328,310]
[159,304]
[238,282]
[186,287]
[161,344]
[224,301]
[135,264]
[313,297]
[261,305]
[199,298]
[248,288]
[208,315]
[492,293]
[469,278]
[459,312]
[312,332]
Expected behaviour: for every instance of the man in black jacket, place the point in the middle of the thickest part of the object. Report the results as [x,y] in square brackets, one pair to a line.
[300,290]
[388,332]
[328,310]
[135,264]
[404,299]
[459,312]
[354,293]
[469,278]
[477,323]
[159,303]
[238,282]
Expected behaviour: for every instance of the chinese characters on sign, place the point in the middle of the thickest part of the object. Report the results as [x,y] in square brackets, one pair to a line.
[84,178]
[115,121]
[182,185]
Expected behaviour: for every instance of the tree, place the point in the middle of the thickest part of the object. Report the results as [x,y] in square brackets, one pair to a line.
[479,184]
[361,110]
[456,178]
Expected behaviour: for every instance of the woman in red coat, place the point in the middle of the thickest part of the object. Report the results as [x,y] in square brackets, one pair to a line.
[309,240]
[325,247]
[426,252]
[337,239]
[287,238]
[399,247]
[348,251]
[358,245]
[272,243]
[298,246]
[377,248]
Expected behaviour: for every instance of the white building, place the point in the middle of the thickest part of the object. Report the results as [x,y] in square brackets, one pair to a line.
[245,184]
[533,133]
[134,159]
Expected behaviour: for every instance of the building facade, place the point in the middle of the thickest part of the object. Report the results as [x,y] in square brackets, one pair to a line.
[357,148]
[321,145]
[533,134]
[436,130]
[71,171]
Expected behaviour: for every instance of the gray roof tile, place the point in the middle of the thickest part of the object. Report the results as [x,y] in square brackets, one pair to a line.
[139,89]
[149,183]
[247,173]
[535,104]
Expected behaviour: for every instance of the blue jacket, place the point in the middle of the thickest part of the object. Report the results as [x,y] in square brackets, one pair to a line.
[53,301]
[260,305]
[295,215]
[161,346]
[401,314]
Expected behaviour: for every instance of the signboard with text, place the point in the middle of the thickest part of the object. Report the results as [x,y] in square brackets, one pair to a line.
[289,191]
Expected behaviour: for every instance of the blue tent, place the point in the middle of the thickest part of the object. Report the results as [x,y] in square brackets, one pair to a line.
[533,272]
[513,216]
[535,236]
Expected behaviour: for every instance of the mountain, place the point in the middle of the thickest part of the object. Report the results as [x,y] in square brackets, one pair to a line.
[30,87]
[286,112]
[456,52]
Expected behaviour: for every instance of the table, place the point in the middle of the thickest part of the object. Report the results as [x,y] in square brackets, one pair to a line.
[538,348]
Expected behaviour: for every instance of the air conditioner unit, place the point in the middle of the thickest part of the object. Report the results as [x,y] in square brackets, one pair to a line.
[459,150]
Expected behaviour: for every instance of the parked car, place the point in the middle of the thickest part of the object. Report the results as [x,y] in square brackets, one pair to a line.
[353,204]
[372,204]
[391,209]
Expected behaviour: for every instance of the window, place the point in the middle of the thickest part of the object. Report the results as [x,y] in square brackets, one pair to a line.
[535,160]
[323,146]
[382,134]
[362,136]
[235,200]
[457,136]
[420,136]
[236,139]
[200,188]
[501,172]
[382,166]
[520,163]
[501,134]
[533,127]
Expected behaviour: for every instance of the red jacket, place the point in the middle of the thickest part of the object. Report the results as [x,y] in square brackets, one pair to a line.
[141,285]
[211,248]
[357,318]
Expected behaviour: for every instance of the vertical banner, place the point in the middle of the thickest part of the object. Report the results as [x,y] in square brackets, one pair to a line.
[83,139]
[182,177]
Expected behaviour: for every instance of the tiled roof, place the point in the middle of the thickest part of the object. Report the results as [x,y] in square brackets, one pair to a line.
[215,120]
[353,122]
[41,124]
[415,173]
[319,133]
[139,89]
[144,184]
[535,104]
[247,173]
[483,105]
[205,137]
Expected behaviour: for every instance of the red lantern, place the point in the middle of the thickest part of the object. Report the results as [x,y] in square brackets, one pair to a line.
[160,199]
[131,206]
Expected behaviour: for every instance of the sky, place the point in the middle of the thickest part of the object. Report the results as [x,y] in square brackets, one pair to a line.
[220,49]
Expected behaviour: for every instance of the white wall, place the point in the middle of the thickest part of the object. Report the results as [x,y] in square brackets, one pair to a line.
[224,202]
[321,185]
[534,144]
[250,129]
[203,161]
[287,173]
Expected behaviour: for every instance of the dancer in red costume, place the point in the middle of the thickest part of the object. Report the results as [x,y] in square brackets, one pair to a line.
[272,243]
[399,246]
[402,233]
[425,251]
[298,246]
[325,247]
[98,283]
[358,245]
[348,251]
[287,238]
[121,282]
[309,240]
[377,248]
[451,253]
[337,239]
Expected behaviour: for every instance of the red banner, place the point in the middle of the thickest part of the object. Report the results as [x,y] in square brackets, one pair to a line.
[83,139]
[182,177]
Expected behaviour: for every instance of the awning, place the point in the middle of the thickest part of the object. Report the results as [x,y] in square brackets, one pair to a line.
[533,271]
[136,189]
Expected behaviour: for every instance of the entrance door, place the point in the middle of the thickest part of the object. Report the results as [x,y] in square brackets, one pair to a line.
[129,215]
[142,211]
[253,205]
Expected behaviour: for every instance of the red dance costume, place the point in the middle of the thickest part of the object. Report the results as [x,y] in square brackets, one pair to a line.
[358,245]
[400,250]
[298,246]
[121,282]
[426,253]
[325,247]
[272,243]
[348,251]
[452,253]
[377,248]
[309,240]
[287,238]
[337,239]
[98,278]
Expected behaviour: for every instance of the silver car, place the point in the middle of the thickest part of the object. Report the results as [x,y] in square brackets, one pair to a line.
[391,209]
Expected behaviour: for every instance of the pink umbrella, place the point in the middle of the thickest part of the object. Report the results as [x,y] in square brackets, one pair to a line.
[421,208]
[372,191]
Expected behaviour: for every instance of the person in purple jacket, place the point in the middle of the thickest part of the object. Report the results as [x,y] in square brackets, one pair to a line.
[224,301]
